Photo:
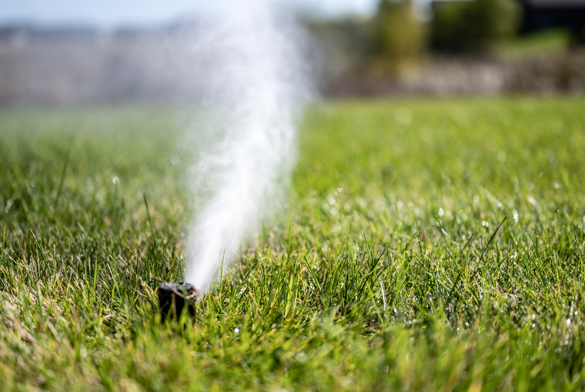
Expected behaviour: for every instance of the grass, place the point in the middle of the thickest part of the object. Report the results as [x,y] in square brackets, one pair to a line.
[427,245]
[549,42]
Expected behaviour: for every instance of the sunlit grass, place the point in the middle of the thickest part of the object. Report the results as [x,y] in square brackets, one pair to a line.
[426,245]
[540,43]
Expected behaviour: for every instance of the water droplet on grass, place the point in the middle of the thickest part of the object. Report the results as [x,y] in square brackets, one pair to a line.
[502,156]
[302,357]
[532,201]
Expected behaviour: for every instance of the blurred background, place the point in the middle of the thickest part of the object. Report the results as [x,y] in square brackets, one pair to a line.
[65,52]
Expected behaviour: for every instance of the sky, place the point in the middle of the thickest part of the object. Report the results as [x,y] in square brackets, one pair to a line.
[109,13]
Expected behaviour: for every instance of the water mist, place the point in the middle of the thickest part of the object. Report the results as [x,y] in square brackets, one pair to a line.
[252,91]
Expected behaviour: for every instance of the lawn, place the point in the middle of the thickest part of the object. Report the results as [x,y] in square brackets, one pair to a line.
[425,245]
[551,42]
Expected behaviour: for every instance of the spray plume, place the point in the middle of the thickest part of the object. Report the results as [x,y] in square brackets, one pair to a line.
[253,89]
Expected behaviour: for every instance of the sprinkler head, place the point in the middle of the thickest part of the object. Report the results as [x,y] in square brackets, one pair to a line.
[174,297]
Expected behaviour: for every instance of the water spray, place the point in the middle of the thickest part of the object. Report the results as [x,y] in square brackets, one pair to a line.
[252,87]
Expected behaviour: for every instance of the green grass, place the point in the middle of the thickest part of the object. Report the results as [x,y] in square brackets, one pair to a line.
[540,43]
[445,254]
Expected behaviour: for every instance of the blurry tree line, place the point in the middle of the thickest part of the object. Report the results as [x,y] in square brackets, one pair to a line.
[395,38]
[351,56]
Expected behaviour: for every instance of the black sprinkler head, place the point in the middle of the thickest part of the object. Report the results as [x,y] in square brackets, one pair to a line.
[174,297]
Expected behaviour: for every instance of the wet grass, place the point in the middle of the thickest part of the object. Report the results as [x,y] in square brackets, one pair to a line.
[428,245]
